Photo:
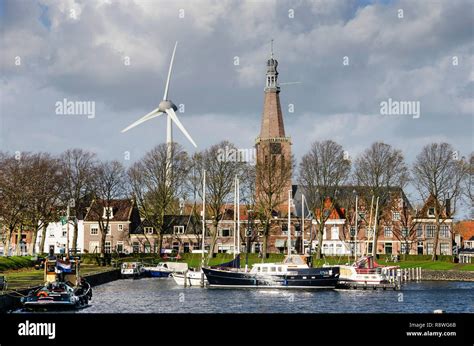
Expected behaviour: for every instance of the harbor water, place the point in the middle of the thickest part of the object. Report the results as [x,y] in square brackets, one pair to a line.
[153,295]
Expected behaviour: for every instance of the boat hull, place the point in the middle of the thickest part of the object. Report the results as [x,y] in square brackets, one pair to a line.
[190,279]
[158,274]
[300,278]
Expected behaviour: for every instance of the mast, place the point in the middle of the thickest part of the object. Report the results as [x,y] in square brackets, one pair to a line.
[370,224]
[356,227]
[375,227]
[238,216]
[302,221]
[203,216]
[235,214]
[289,222]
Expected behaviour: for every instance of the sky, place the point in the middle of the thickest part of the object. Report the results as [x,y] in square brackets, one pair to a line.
[349,56]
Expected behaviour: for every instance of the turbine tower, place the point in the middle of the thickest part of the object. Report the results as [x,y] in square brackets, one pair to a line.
[168,107]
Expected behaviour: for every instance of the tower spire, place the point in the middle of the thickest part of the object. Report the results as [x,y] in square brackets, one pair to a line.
[271,48]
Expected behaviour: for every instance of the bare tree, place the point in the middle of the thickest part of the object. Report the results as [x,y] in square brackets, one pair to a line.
[13,195]
[108,185]
[439,175]
[322,170]
[379,168]
[77,168]
[221,170]
[44,188]
[156,187]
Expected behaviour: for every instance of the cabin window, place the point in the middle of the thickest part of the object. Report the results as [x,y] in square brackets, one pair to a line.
[280,269]
[178,229]
[273,269]
[264,269]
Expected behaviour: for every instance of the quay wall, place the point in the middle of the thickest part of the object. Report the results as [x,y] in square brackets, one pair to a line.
[11,300]
[447,275]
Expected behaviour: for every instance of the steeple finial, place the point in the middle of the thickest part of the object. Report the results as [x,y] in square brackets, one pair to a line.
[271,48]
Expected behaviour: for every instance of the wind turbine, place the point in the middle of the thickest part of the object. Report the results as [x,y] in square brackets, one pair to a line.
[168,107]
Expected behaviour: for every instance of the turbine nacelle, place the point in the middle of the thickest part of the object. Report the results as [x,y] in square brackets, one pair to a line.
[166,104]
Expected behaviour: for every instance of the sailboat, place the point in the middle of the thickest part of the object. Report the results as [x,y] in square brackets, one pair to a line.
[293,272]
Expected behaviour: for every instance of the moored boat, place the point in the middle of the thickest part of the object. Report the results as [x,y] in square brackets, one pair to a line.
[63,288]
[165,269]
[133,270]
[365,272]
[293,272]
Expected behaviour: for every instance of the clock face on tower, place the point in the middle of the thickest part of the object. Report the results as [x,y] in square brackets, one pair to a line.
[275,148]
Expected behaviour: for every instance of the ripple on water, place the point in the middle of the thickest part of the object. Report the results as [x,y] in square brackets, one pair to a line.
[153,295]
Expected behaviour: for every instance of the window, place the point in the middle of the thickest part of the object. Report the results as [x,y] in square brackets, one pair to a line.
[51,234]
[405,232]
[94,230]
[175,246]
[186,247]
[119,246]
[396,216]
[147,247]
[429,248]
[444,247]
[225,232]
[334,232]
[136,247]
[431,212]
[388,232]
[404,248]
[361,215]
[107,247]
[284,229]
[148,230]
[370,232]
[94,246]
[257,248]
[388,248]
[178,229]
[419,231]
[120,227]
[64,232]
[353,231]
[444,231]
[430,231]
[108,211]
[264,269]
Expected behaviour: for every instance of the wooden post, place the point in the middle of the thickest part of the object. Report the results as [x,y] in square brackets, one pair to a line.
[185,278]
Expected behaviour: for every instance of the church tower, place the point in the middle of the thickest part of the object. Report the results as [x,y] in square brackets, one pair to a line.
[272,146]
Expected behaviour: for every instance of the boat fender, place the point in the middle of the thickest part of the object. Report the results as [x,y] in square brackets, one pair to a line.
[42,294]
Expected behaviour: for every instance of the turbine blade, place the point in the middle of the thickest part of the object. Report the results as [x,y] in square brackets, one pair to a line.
[153,114]
[175,119]
[165,96]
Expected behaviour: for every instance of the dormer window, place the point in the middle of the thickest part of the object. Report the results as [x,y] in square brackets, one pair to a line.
[431,212]
[108,212]
[148,230]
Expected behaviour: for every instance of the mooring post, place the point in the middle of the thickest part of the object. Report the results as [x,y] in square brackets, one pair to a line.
[185,278]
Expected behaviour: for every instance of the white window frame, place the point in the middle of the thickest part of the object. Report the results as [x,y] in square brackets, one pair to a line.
[120,226]
[222,232]
[108,245]
[95,227]
[385,231]
[148,230]
[396,216]
[178,229]
[333,230]
[117,245]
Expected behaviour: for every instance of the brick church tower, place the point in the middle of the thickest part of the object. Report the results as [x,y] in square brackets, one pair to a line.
[272,146]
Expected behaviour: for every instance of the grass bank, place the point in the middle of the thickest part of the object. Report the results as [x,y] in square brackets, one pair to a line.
[15,262]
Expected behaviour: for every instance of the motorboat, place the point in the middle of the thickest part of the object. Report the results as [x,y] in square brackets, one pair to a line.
[133,270]
[293,272]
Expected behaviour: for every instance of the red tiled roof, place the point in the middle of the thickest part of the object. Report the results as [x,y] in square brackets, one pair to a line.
[122,209]
[465,229]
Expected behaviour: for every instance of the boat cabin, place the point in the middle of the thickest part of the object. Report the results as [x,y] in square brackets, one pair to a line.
[289,263]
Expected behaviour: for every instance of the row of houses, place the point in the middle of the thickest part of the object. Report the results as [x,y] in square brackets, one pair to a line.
[401,230]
